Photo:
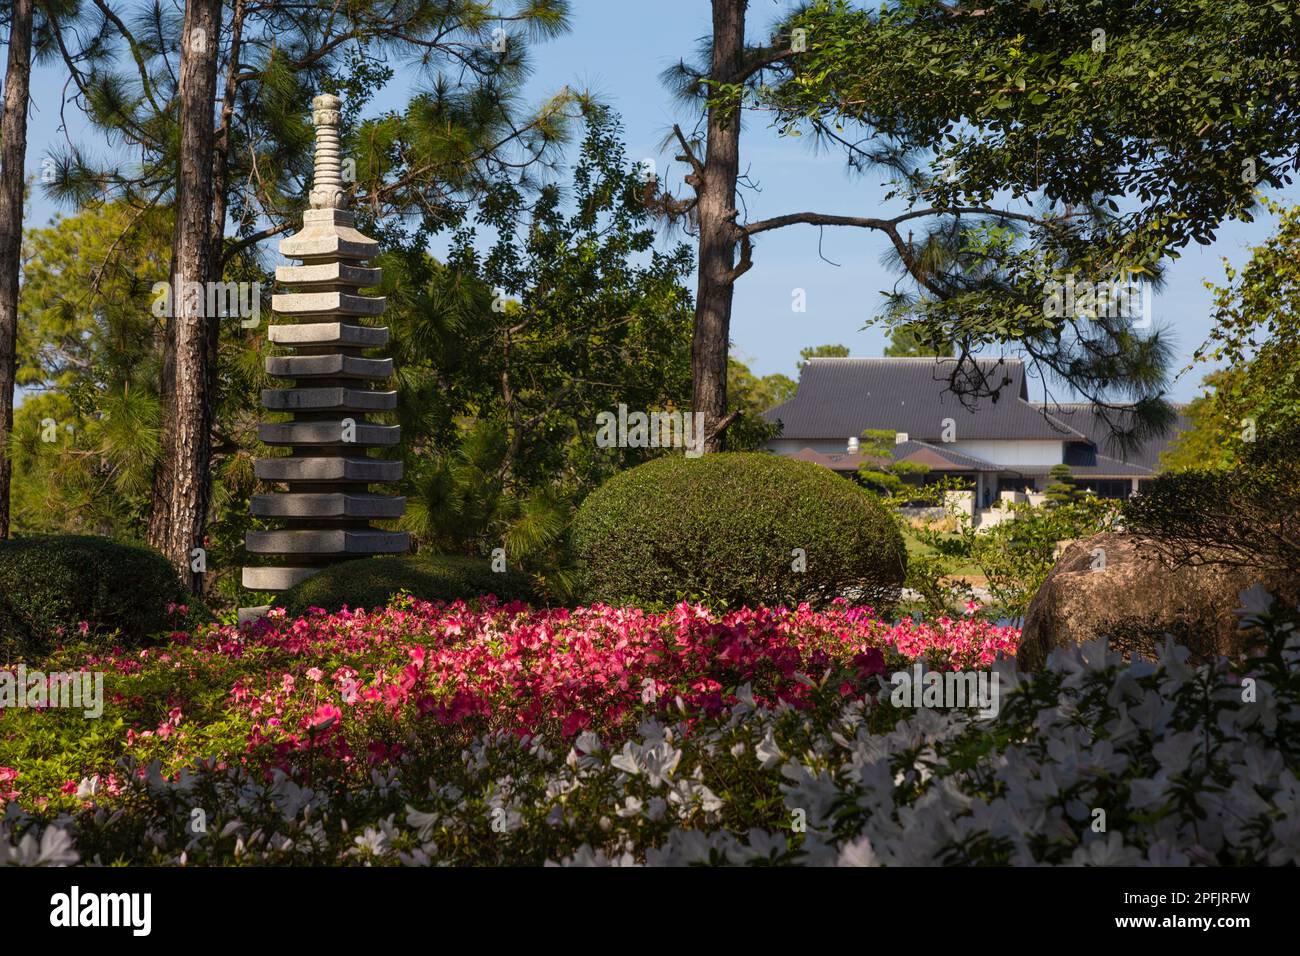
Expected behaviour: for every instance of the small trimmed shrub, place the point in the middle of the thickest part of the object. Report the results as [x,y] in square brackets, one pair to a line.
[723,529]
[61,589]
[370,583]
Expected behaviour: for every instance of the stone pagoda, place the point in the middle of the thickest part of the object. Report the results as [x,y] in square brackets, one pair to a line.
[326,511]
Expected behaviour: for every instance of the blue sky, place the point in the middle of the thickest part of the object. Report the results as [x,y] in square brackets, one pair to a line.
[617,49]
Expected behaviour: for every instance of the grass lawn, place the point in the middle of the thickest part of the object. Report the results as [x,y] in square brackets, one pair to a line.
[968,571]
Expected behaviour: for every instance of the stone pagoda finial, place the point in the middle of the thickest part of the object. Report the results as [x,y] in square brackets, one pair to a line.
[327,190]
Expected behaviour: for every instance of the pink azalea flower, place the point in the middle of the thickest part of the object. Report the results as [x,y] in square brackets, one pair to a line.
[325,717]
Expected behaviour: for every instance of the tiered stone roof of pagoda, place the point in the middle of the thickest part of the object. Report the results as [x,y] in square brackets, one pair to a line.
[326,505]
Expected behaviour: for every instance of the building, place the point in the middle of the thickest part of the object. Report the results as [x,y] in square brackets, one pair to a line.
[1005,446]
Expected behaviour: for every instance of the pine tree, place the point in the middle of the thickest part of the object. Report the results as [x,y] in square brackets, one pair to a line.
[247,168]
[13,154]
[1062,489]
[732,78]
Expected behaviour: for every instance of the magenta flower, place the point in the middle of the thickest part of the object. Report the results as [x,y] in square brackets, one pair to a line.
[325,717]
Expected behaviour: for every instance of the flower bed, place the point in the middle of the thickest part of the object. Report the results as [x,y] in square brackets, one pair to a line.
[350,691]
[1095,761]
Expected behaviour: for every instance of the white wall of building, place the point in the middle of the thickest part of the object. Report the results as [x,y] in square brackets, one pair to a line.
[1001,452]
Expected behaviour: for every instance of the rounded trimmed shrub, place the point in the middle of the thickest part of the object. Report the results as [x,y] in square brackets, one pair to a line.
[724,529]
[371,583]
[51,585]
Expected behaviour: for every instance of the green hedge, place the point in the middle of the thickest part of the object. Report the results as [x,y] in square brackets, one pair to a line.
[50,585]
[371,582]
[724,529]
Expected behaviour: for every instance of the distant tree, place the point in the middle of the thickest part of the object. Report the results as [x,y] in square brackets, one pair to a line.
[1211,441]
[1063,489]
[748,396]
[885,474]
[550,309]
[905,341]
[1256,336]
[820,351]
[86,437]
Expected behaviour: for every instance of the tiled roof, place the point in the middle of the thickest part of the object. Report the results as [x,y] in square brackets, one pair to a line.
[838,461]
[940,458]
[1087,419]
[839,397]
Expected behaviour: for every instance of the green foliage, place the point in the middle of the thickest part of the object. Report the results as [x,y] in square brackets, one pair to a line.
[51,586]
[505,357]
[1165,105]
[1211,440]
[751,395]
[1013,556]
[1132,128]
[1062,490]
[85,437]
[1256,334]
[419,165]
[820,351]
[887,475]
[725,528]
[1247,515]
[907,341]
[371,583]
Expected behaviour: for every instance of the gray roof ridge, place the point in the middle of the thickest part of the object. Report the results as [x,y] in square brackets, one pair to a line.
[1057,424]
[1093,405]
[1121,461]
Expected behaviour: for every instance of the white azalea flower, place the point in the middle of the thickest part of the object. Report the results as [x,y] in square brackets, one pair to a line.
[1162,853]
[1108,852]
[88,787]
[632,807]
[371,841]
[858,853]
[762,845]
[1255,603]
[767,751]
[1175,752]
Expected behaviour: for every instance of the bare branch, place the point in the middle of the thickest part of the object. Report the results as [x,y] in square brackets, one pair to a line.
[696,179]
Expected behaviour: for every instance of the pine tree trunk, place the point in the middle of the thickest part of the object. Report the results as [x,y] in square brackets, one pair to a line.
[182,483]
[13,154]
[718,232]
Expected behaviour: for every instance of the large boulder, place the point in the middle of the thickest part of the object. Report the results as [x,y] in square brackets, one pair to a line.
[1116,586]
